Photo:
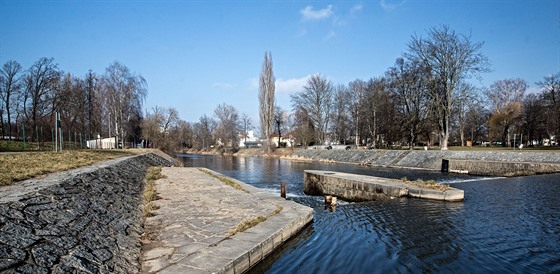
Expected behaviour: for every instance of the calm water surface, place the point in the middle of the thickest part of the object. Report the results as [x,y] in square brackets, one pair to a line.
[505,225]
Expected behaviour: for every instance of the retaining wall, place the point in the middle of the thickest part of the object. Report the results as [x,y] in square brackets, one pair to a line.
[533,162]
[494,168]
[87,220]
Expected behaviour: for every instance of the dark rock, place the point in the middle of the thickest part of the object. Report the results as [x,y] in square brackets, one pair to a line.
[103,254]
[63,242]
[46,254]
[11,213]
[18,241]
[79,263]
[35,209]
[7,263]
[36,200]
[57,216]
[7,252]
[29,269]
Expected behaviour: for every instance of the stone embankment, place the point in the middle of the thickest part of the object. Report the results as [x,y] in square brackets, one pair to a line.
[87,220]
[488,162]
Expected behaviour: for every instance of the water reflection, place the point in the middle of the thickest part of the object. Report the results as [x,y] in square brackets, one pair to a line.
[505,225]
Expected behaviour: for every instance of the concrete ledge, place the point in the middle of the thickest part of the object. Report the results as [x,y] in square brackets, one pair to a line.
[196,212]
[354,187]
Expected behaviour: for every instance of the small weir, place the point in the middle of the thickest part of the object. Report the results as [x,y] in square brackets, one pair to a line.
[353,187]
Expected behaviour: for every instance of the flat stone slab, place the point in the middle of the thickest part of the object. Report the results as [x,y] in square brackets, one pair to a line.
[191,231]
[356,187]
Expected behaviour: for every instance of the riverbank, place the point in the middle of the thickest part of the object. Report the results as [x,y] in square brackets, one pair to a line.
[86,220]
[475,162]
[224,226]
[490,163]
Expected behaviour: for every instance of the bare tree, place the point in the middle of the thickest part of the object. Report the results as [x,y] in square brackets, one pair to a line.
[125,93]
[316,99]
[505,97]
[550,87]
[357,91]
[535,119]
[465,98]
[228,125]
[409,83]
[10,87]
[451,58]
[375,110]
[341,115]
[266,98]
[41,82]
[304,130]
[204,132]
[280,123]
[246,125]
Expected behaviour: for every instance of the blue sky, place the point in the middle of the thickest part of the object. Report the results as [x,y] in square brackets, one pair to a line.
[198,54]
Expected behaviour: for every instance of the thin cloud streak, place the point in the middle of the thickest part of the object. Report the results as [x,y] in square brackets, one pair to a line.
[309,14]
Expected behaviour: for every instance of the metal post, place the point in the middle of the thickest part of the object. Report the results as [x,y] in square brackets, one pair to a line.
[61,140]
[52,139]
[37,136]
[23,130]
[56,133]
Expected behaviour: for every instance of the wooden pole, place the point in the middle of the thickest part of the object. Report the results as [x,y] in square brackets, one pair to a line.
[283,190]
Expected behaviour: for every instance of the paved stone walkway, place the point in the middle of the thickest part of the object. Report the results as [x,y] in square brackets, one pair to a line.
[191,231]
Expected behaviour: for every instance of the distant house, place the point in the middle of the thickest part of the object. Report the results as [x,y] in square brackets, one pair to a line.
[102,143]
[249,140]
[287,139]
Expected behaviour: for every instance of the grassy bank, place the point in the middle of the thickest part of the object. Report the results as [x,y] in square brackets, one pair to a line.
[21,166]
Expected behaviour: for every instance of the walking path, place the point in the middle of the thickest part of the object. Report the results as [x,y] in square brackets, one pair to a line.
[197,226]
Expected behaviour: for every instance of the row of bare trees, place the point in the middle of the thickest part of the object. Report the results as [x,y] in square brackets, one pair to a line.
[162,128]
[92,105]
[426,99]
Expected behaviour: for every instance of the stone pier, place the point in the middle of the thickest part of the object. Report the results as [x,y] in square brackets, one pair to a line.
[353,187]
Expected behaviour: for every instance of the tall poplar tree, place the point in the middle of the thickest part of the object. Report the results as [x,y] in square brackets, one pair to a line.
[266,98]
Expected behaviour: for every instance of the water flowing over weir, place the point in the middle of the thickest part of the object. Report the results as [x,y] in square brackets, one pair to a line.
[504,224]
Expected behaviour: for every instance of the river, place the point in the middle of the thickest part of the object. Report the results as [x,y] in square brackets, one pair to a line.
[505,225]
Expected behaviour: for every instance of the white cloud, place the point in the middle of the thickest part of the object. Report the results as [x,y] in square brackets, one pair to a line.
[283,85]
[389,5]
[331,35]
[308,13]
[290,85]
[357,8]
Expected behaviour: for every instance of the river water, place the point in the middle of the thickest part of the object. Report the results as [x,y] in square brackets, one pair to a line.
[505,225]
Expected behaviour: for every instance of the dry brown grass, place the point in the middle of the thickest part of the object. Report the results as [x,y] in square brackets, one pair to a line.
[21,166]
[431,184]
[150,194]
[251,222]
[224,180]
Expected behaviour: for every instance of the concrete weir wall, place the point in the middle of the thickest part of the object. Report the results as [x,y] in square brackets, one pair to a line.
[491,163]
[353,187]
[87,220]
[495,168]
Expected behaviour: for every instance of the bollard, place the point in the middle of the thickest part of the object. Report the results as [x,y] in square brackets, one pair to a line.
[283,190]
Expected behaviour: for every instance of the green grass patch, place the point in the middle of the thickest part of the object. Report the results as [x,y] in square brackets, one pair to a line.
[224,180]
[25,165]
